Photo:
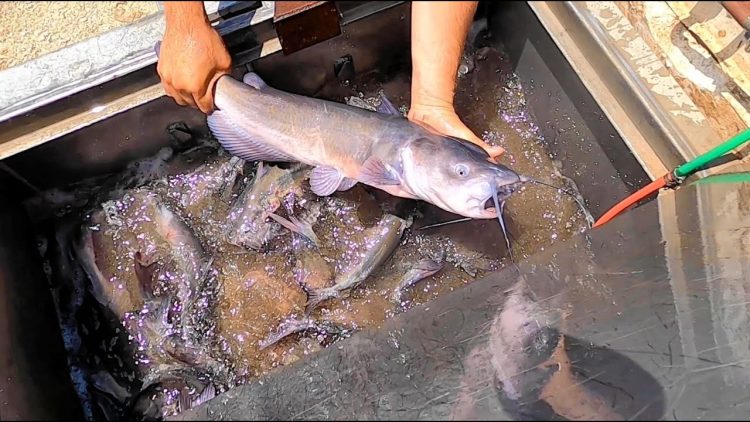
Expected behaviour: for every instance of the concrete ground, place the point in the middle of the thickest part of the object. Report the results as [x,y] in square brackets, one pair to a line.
[32,29]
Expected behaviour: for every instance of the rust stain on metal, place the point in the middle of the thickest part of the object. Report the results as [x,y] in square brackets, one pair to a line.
[740,11]
[301,24]
[285,9]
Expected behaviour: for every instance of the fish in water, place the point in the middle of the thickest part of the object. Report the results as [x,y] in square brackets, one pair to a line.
[298,325]
[202,196]
[191,192]
[249,225]
[304,225]
[156,398]
[311,271]
[346,144]
[146,267]
[418,272]
[380,241]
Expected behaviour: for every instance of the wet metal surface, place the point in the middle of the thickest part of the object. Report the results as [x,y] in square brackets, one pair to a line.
[617,333]
[600,312]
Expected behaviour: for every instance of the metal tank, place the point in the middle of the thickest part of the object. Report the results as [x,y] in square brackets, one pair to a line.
[644,318]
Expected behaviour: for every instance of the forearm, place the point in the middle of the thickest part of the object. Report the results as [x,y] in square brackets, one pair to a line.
[184,15]
[438,34]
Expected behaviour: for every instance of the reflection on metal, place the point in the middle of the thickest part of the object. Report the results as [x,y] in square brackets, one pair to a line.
[73,69]
[668,212]
[725,228]
[365,9]
[650,135]
[78,121]
[216,10]
[708,259]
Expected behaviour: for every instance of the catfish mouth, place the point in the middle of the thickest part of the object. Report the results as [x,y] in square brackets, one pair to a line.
[503,192]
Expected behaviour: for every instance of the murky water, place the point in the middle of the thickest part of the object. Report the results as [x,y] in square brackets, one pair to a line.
[218,301]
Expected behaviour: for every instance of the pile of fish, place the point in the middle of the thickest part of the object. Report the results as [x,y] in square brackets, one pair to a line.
[197,270]
[201,271]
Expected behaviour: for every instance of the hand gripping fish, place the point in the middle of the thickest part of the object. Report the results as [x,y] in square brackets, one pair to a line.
[346,145]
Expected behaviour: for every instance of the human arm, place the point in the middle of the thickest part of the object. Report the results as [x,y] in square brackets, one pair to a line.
[438,33]
[192,55]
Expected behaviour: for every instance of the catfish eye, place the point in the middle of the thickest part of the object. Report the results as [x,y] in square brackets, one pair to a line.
[462,170]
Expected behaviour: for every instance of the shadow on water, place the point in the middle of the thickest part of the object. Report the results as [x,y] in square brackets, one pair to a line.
[543,374]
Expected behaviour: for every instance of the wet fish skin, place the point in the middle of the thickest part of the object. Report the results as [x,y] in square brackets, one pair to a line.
[380,242]
[101,288]
[296,325]
[347,145]
[311,271]
[190,191]
[420,271]
[159,242]
[184,249]
[249,225]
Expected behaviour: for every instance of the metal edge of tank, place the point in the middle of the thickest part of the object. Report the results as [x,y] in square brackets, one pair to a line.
[126,79]
[603,62]
[75,68]
[130,90]
[651,134]
[35,382]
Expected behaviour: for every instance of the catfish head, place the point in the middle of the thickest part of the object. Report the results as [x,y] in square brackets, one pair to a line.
[456,175]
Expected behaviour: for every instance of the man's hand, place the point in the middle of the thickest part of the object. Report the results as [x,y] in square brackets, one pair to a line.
[438,33]
[444,120]
[192,56]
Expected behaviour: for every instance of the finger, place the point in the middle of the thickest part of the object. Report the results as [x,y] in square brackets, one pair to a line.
[494,152]
[170,91]
[205,103]
[188,98]
[211,89]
